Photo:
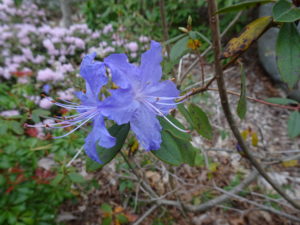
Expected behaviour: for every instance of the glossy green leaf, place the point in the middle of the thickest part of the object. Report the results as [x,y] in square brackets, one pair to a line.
[294,124]
[175,151]
[76,178]
[288,53]
[285,11]
[179,48]
[281,101]
[200,121]
[244,5]
[242,103]
[175,132]
[186,115]
[106,155]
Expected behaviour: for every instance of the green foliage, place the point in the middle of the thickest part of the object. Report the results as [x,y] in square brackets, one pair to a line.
[242,103]
[243,6]
[179,48]
[175,148]
[285,11]
[281,101]
[288,51]
[200,121]
[23,188]
[294,124]
[106,155]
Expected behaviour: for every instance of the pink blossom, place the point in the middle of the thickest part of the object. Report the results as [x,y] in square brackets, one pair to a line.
[132,46]
[23,80]
[143,39]
[10,113]
[108,28]
[45,103]
[48,75]
[39,59]
[67,94]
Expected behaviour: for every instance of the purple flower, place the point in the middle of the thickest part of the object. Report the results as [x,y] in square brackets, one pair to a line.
[89,109]
[141,96]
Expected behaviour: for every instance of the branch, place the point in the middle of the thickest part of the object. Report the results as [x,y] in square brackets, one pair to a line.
[147,213]
[164,24]
[259,100]
[212,203]
[230,25]
[263,207]
[214,25]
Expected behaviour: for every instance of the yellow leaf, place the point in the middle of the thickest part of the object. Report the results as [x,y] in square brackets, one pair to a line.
[254,139]
[252,31]
[213,167]
[117,222]
[134,146]
[245,134]
[193,44]
[290,163]
[118,209]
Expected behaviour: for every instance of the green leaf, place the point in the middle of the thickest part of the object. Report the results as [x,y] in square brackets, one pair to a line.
[174,39]
[243,5]
[3,127]
[76,178]
[175,151]
[57,179]
[285,11]
[200,121]
[175,132]
[107,221]
[37,113]
[179,48]
[294,124]
[242,103]
[122,218]
[288,53]
[281,101]
[106,208]
[186,115]
[106,155]
[16,127]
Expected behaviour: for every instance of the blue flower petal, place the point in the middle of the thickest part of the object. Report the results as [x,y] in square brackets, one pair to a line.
[162,89]
[146,128]
[150,67]
[98,135]
[120,106]
[94,73]
[123,72]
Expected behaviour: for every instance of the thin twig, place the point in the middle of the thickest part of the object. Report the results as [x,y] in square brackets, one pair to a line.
[262,207]
[230,25]
[147,213]
[259,100]
[164,24]
[214,24]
